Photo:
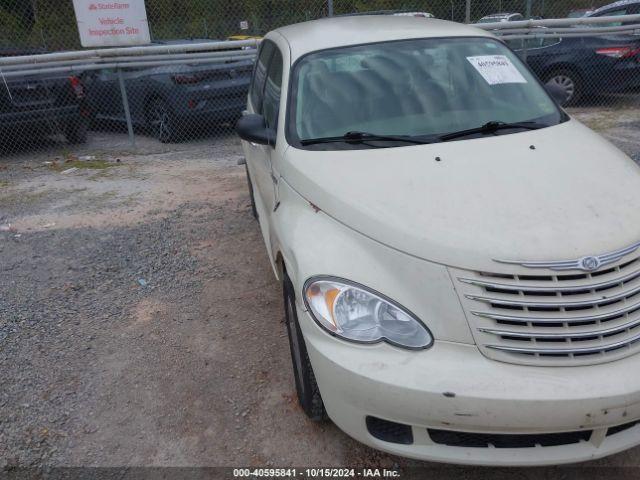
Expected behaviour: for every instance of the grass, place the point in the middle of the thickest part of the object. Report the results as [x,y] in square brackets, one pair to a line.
[89,164]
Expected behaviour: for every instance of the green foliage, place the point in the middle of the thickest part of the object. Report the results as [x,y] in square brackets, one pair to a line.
[51,24]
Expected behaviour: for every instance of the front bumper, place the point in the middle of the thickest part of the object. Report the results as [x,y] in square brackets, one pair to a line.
[453,387]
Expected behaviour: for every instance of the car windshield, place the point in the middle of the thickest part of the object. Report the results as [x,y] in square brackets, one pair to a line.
[423,88]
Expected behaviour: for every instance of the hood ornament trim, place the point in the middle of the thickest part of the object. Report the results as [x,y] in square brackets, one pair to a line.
[587,264]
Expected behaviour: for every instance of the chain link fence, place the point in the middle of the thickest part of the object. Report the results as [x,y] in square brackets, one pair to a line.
[178,93]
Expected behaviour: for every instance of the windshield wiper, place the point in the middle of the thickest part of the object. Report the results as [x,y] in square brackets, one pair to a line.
[492,127]
[362,137]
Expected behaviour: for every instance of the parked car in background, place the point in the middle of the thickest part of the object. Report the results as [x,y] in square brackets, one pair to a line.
[579,13]
[42,103]
[624,7]
[501,17]
[396,13]
[584,65]
[171,100]
[414,14]
[240,37]
[460,259]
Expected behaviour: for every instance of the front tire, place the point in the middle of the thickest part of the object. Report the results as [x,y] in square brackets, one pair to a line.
[569,81]
[306,385]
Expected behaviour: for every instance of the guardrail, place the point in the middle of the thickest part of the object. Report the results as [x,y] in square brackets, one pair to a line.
[127,51]
[146,56]
[564,27]
[206,52]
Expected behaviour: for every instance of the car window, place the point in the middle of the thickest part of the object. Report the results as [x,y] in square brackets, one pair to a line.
[612,13]
[259,75]
[446,85]
[547,42]
[273,86]
[517,44]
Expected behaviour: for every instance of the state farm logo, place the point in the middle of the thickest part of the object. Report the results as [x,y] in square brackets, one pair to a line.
[108,6]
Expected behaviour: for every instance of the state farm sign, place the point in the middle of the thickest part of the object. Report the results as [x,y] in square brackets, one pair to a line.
[112,24]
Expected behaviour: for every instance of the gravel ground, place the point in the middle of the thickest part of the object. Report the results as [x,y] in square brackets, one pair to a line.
[140,322]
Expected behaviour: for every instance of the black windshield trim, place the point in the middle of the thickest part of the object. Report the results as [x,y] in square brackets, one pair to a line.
[291,136]
[367,137]
[493,127]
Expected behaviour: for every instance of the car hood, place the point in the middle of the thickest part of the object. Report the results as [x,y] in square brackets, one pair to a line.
[557,193]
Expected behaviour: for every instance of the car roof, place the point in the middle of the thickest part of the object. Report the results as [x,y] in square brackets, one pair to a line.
[335,32]
[399,13]
[614,5]
[500,15]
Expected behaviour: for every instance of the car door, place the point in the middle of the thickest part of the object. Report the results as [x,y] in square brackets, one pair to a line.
[543,52]
[539,53]
[264,99]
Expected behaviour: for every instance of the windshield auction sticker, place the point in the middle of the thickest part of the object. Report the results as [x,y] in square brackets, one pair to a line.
[496,69]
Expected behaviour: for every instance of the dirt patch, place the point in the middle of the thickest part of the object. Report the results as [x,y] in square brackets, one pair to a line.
[141,323]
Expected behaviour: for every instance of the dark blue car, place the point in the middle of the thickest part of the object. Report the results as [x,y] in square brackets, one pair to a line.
[584,66]
[616,9]
[172,100]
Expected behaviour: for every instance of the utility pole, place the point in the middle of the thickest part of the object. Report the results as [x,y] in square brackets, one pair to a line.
[330,7]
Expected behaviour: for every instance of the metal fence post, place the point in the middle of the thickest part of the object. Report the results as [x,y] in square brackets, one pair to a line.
[467,12]
[330,7]
[526,43]
[125,104]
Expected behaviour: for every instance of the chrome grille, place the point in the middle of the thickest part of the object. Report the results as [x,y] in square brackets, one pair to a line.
[557,318]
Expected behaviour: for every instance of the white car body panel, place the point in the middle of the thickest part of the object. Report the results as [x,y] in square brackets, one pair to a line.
[518,203]
[397,221]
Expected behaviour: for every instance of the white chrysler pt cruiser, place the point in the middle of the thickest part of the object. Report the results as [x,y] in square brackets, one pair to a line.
[460,258]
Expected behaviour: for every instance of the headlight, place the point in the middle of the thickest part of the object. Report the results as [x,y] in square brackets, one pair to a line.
[355,313]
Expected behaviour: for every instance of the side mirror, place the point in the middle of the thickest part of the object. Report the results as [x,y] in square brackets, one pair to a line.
[253,128]
[558,93]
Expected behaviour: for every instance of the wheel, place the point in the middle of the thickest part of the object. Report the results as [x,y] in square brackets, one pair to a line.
[161,121]
[254,212]
[569,81]
[76,131]
[306,386]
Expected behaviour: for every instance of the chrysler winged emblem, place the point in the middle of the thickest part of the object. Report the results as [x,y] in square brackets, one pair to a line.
[587,264]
